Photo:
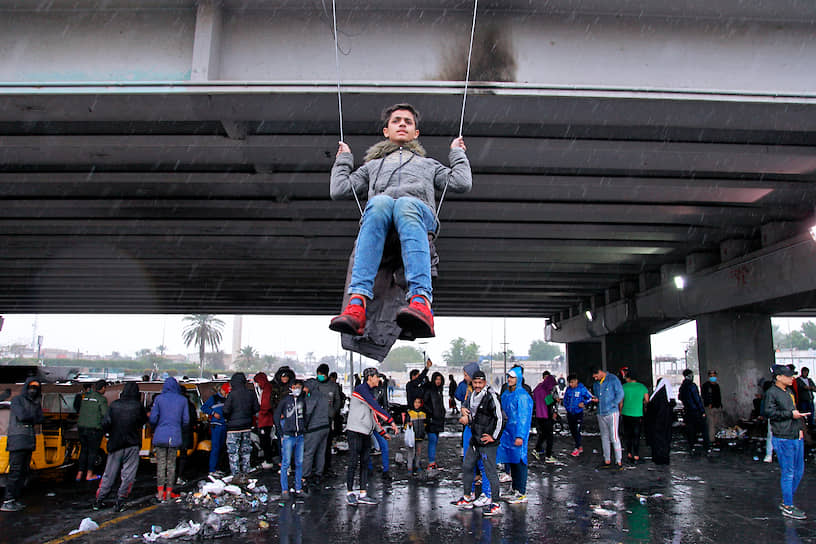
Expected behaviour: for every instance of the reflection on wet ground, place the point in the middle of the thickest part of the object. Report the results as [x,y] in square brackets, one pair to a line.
[727,496]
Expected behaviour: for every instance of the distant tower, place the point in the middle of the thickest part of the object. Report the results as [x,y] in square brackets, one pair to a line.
[237,324]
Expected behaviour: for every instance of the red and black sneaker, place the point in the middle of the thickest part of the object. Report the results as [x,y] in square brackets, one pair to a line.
[352,320]
[417,318]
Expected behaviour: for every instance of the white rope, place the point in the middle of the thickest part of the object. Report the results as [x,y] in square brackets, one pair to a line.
[339,96]
[464,95]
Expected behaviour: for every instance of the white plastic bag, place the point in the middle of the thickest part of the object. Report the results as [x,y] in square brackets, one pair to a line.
[87,524]
[409,437]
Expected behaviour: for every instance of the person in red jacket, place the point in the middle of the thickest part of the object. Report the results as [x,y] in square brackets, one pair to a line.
[266,420]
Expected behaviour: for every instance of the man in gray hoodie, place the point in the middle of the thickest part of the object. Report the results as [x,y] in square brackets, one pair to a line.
[400,183]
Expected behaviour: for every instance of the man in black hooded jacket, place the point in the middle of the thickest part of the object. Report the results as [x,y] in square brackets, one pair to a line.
[26,411]
[123,425]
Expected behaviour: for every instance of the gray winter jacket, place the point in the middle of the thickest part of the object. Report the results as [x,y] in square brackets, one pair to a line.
[400,171]
[331,391]
[317,408]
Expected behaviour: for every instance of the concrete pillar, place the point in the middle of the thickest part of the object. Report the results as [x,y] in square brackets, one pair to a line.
[581,357]
[739,346]
[207,41]
[633,350]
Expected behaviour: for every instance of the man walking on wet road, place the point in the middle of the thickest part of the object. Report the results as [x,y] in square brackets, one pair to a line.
[608,393]
[123,423]
[483,414]
[786,421]
[26,411]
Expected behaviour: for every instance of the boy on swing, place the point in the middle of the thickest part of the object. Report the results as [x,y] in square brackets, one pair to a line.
[400,183]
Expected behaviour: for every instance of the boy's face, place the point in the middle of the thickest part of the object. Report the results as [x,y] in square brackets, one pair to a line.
[417,404]
[401,127]
[573,383]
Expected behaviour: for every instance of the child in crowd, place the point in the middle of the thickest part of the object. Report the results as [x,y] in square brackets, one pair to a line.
[416,420]
[575,398]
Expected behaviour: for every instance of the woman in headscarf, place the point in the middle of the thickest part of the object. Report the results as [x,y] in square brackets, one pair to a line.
[659,419]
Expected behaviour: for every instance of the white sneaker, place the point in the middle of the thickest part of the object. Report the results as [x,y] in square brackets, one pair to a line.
[483,500]
[267,466]
[504,478]
[768,459]
[518,499]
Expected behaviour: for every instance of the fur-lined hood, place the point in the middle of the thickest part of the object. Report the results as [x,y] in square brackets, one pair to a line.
[386,147]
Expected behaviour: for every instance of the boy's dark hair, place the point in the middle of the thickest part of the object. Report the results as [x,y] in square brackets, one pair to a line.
[386,113]
[323,369]
[687,372]
[594,370]
[100,385]
[572,377]
[297,382]
[414,373]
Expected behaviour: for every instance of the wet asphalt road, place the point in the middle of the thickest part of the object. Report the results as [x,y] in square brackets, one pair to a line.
[726,496]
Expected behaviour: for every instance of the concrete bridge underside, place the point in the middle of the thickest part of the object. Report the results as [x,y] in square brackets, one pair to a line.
[172,156]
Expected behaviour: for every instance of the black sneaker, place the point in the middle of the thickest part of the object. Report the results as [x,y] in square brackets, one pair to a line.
[120,505]
[11,506]
[605,466]
[98,505]
[351,499]
[793,512]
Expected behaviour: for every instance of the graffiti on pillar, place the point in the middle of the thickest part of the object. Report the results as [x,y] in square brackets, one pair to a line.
[741,274]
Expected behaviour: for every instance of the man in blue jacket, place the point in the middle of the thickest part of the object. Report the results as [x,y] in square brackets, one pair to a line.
[518,405]
[575,399]
[167,417]
[608,393]
[290,419]
[214,408]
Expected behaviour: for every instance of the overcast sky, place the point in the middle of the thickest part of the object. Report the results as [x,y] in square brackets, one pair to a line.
[273,335]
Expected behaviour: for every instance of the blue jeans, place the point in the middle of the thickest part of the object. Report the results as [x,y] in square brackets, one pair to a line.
[218,440]
[479,464]
[413,220]
[791,456]
[519,473]
[290,445]
[383,443]
[433,439]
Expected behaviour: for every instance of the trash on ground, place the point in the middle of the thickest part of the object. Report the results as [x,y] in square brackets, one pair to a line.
[224,510]
[87,524]
[185,528]
[604,512]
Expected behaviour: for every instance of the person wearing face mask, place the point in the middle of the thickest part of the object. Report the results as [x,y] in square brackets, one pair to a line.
[290,418]
[712,399]
[26,411]
[331,391]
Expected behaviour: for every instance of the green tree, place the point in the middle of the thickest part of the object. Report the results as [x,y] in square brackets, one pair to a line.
[398,358]
[691,359]
[202,330]
[541,350]
[248,359]
[809,331]
[798,340]
[461,352]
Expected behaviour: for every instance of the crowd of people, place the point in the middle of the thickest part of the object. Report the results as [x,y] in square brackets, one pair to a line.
[297,420]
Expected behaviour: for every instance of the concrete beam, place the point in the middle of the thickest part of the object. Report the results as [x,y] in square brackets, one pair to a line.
[782,271]
[207,41]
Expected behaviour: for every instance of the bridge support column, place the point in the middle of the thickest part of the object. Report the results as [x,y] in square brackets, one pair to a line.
[633,350]
[581,357]
[739,346]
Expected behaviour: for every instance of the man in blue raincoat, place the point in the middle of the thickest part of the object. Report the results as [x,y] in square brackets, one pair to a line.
[518,405]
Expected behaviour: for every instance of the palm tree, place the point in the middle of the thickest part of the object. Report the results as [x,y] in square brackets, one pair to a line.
[202,330]
[247,358]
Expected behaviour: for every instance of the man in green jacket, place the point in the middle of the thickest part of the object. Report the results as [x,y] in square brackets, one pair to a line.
[786,424]
[92,411]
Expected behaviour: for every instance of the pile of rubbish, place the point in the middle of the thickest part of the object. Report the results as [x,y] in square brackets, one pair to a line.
[229,503]
[223,496]
[732,433]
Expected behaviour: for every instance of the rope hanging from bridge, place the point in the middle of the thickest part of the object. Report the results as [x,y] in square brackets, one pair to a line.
[340,98]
